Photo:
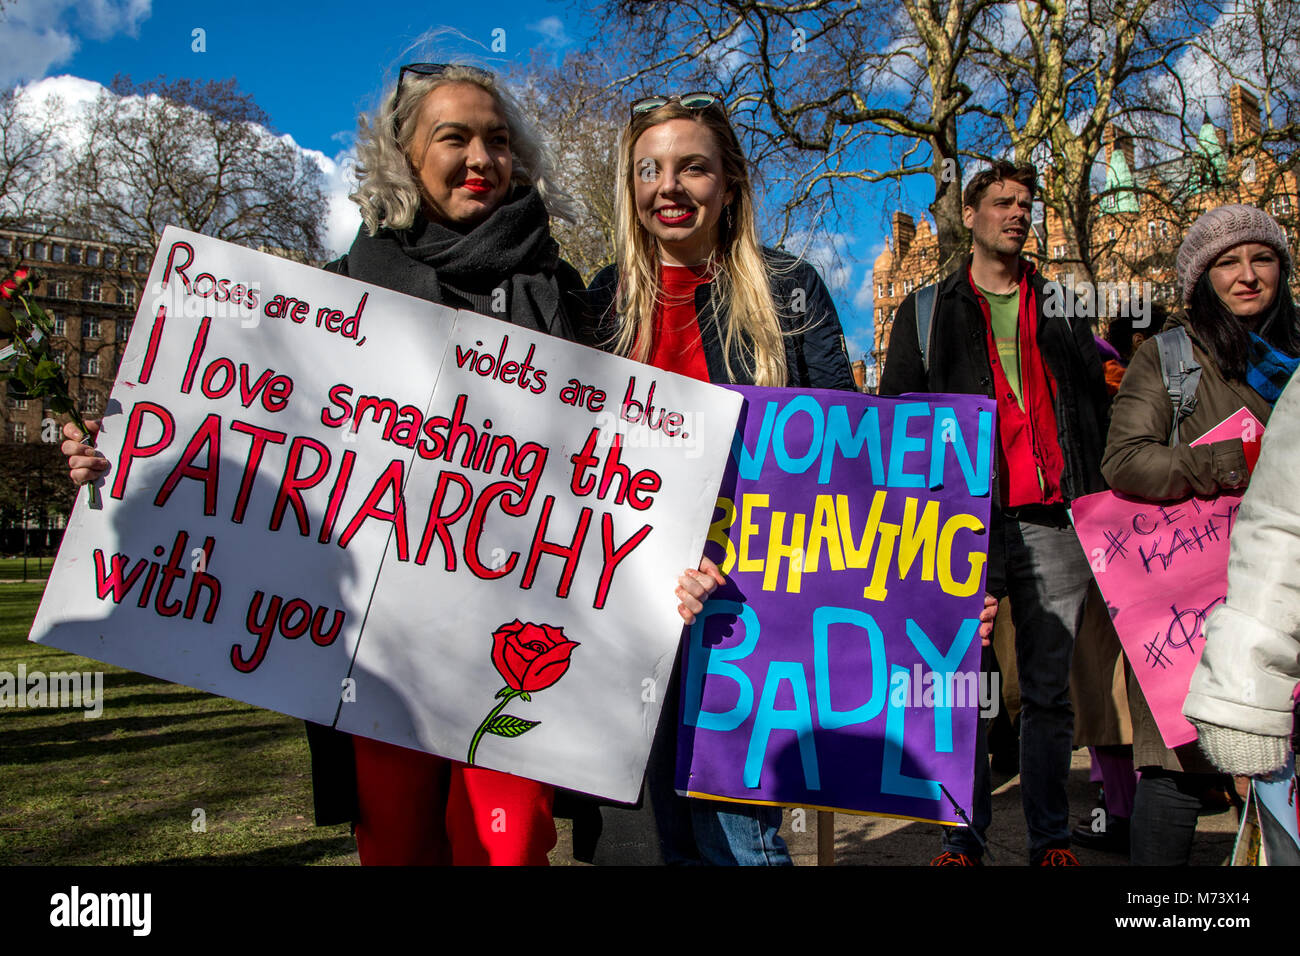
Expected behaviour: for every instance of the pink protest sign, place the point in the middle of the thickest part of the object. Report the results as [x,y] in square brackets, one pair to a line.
[1162,568]
[1240,424]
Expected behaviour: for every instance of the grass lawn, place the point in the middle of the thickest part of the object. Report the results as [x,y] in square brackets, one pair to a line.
[123,788]
[38,569]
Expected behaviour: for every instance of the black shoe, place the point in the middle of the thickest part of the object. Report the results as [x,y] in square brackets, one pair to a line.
[1111,835]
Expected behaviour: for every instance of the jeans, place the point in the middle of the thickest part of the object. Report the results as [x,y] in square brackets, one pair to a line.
[695,832]
[1164,816]
[1046,577]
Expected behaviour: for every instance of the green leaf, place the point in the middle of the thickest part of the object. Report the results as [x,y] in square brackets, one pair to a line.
[524,695]
[504,692]
[508,725]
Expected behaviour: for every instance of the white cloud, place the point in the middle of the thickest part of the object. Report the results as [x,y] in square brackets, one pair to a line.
[865,297]
[63,99]
[829,252]
[552,31]
[41,34]
[67,98]
[343,218]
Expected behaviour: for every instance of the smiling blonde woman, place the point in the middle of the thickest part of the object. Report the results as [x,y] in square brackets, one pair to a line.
[693,292]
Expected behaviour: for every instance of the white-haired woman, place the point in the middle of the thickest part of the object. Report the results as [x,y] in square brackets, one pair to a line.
[456,201]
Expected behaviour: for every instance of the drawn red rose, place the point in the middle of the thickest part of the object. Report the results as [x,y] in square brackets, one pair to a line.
[531,657]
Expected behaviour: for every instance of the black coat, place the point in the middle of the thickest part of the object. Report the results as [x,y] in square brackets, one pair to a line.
[814,343]
[959,363]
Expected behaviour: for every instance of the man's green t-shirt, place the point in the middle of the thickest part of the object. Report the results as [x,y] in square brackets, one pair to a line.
[1004,311]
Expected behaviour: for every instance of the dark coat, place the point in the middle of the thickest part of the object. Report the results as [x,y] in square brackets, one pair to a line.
[1139,461]
[959,363]
[814,342]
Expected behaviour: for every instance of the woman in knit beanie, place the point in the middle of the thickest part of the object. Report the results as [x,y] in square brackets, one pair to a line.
[1233,270]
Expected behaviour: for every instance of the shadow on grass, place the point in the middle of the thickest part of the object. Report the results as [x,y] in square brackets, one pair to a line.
[68,741]
[297,854]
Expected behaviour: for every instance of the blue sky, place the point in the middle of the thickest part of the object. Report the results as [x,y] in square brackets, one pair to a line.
[314,67]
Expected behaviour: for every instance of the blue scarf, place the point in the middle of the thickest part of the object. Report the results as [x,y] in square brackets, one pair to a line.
[1268,370]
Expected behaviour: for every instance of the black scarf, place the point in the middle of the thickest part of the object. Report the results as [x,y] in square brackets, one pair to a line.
[512,250]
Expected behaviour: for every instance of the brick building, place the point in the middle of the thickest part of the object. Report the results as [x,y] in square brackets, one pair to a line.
[1141,217]
[90,290]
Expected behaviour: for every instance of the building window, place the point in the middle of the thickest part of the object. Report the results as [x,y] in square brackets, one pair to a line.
[907,286]
[123,330]
[61,289]
[1110,234]
[19,403]
[1058,250]
[56,252]
[94,290]
[880,290]
[74,255]
[90,403]
[92,257]
[38,250]
[126,296]
[891,290]
[5,247]
[1151,228]
[90,328]
[90,364]
[60,360]
[60,324]
[19,431]
[110,259]
[141,262]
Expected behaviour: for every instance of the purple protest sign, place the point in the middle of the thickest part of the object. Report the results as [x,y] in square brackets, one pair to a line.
[839,667]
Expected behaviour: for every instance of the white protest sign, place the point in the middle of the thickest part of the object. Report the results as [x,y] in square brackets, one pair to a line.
[581,512]
[215,561]
[308,469]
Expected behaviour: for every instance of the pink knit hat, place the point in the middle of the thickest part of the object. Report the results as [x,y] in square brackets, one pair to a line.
[1217,231]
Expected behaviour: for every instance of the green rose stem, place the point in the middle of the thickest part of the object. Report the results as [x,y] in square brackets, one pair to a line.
[34,365]
[506,694]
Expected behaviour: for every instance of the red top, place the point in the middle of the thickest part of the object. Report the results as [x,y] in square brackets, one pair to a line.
[1027,438]
[677,346]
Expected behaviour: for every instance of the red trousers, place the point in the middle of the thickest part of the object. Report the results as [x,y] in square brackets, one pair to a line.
[420,810]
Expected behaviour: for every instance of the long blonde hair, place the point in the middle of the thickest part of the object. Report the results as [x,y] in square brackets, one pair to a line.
[746,313]
[389,190]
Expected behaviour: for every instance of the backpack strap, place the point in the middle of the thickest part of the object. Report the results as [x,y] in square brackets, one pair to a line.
[1181,374]
[927,298]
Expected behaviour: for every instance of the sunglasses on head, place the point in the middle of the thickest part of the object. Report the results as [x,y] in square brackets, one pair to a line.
[690,101]
[437,69]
